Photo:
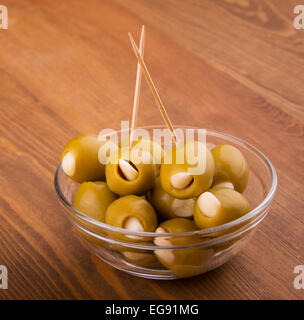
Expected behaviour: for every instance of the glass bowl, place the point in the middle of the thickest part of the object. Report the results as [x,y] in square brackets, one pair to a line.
[185,254]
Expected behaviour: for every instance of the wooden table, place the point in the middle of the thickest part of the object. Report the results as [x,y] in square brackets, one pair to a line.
[67,67]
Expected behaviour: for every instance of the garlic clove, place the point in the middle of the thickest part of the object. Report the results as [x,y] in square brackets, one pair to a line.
[165,255]
[208,204]
[228,185]
[161,241]
[183,208]
[127,170]
[181,180]
[69,164]
[133,224]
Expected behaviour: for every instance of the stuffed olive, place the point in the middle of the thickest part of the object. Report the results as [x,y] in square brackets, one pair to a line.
[218,206]
[183,176]
[93,199]
[182,262]
[132,213]
[79,159]
[131,173]
[231,167]
[169,207]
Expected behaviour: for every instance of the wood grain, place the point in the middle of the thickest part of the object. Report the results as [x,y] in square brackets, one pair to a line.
[67,67]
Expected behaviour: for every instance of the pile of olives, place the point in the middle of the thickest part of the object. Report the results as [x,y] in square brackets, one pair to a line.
[147,197]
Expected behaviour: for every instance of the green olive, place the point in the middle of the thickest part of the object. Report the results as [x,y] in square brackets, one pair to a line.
[132,213]
[230,166]
[80,159]
[169,207]
[182,262]
[131,175]
[218,206]
[136,208]
[181,177]
[93,199]
[176,225]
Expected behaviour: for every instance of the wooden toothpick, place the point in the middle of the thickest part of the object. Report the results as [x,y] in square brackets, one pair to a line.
[137,87]
[154,91]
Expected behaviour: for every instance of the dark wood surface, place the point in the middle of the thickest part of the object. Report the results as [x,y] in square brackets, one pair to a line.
[67,67]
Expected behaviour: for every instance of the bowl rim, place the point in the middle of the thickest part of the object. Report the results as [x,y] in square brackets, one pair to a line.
[260,207]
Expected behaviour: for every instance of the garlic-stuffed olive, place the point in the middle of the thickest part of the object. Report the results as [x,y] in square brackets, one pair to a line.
[218,206]
[132,213]
[93,199]
[182,262]
[131,172]
[182,175]
[169,207]
[231,168]
[79,159]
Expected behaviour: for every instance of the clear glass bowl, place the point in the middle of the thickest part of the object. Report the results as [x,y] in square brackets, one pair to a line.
[187,254]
